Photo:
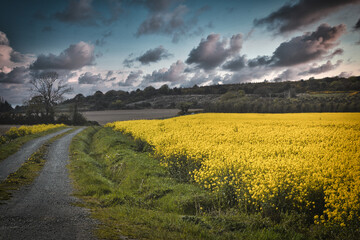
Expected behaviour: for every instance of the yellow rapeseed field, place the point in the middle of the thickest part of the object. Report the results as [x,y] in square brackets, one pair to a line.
[14,132]
[307,162]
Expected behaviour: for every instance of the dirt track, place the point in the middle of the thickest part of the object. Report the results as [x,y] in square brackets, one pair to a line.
[45,210]
[13,162]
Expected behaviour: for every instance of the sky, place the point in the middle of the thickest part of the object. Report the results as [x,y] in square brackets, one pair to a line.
[131,44]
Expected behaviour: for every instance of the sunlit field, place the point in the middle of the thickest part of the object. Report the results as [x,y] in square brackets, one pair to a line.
[269,163]
[104,117]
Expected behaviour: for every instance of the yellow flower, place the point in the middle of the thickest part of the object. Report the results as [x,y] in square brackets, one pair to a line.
[270,157]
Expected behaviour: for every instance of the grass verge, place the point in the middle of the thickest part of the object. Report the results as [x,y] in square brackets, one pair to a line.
[12,147]
[133,196]
[28,171]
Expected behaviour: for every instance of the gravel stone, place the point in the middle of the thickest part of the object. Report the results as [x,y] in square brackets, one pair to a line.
[13,162]
[45,209]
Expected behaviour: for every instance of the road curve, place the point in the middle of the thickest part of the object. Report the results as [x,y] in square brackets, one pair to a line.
[45,209]
[13,162]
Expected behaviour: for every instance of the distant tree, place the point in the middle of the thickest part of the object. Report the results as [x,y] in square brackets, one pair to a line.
[35,107]
[184,107]
[79,97]
[164,89]
[4,105]
[241,93]
[98,94]
[77,117]
[263,91]
[51,91]
[118,104]
[229,95]
[149,91]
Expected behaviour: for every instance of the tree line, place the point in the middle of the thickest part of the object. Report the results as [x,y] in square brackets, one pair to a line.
[333,94]
[260,97]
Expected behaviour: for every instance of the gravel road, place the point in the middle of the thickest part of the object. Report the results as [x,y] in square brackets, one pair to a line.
[13,162]
[45,209]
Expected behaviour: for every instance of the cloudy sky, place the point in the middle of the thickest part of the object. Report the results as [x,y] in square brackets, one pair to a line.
[125,45]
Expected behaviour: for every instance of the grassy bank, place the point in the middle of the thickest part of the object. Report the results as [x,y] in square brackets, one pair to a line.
[28,171]
[12,147]
[133,196]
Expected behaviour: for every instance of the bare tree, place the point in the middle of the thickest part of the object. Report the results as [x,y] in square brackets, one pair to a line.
[50,89]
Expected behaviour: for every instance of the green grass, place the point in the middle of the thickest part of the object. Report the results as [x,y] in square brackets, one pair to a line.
[133,196]
[12,147]
[28,171]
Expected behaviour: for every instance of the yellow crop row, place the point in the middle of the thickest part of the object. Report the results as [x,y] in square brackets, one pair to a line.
[14,132]
[308,162]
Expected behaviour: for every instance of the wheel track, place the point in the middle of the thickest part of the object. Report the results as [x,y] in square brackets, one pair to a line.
[13,162]
[45,209]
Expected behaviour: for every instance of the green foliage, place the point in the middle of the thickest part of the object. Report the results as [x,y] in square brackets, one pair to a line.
[253,91]
[184,107]
[272,103]
[64,118]
[118,104]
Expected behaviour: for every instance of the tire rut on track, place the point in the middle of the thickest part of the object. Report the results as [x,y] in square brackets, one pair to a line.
[13,162]
[45,209]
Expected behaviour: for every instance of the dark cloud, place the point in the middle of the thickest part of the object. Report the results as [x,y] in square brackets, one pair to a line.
[18,75]
[131,79]
[129,61]
[101,42]
[78,11]
[235,64]
[116,9]
[75,57]
[338,51]
[305,48]
[17,57]
[328,66]
[357,25]
[89,78]
[357,28]
[260,61]
[167,23]
[82,12]
[109,74]
[212,52]
[15,94]
[154,55]
[294,16]
[309,46]
[174,74]
[156,5]
[166,19]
